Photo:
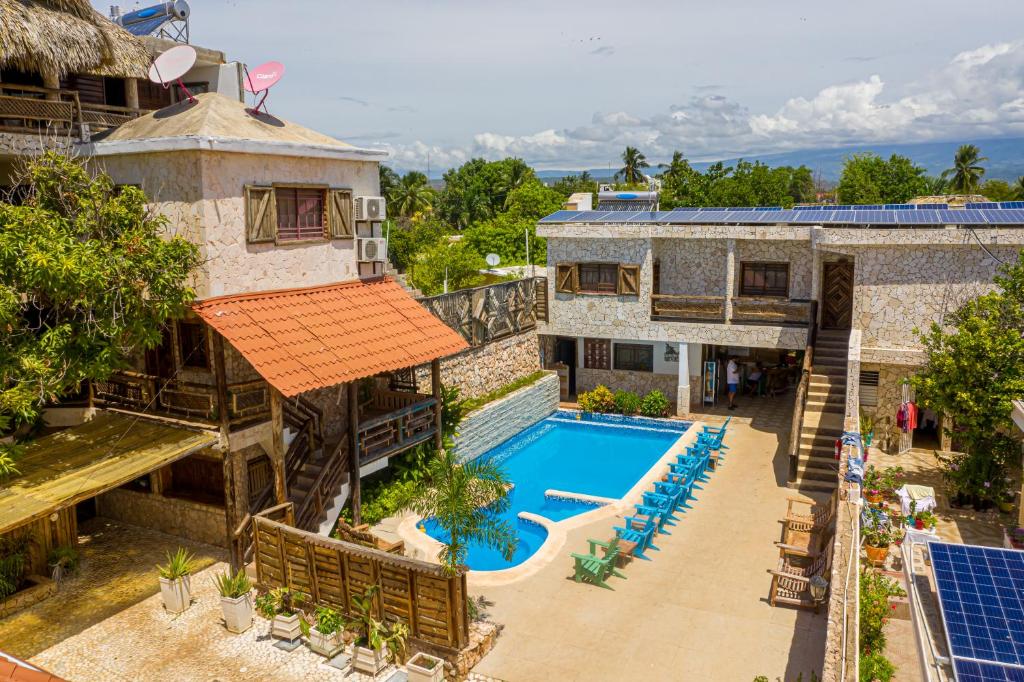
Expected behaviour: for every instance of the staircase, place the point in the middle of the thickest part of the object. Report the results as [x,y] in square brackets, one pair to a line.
[314,484]
[824,414]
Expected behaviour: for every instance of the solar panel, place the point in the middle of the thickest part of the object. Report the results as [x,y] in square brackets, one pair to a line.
[982,204]
[144,28]
[932,207]
[899,207]
[1011,204]
[559,216]
[981,596]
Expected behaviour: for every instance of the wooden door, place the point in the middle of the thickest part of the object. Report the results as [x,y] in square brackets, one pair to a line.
[160,360]
[837,305]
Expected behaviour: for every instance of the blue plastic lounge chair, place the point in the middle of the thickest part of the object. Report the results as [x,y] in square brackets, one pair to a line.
[658,516]
[662,503]
[638,530]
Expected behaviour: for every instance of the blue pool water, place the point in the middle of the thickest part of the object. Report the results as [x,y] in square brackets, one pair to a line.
[601,455]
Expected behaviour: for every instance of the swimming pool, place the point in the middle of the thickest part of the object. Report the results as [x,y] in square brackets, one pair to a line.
[596,455]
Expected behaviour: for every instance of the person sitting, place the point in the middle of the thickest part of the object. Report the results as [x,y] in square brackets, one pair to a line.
[754,379]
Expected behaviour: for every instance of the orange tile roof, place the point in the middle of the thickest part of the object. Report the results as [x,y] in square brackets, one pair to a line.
[15,670]
[303,339]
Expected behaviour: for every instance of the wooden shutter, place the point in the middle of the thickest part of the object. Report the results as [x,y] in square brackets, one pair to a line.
[597,354]
[629,280]
[339,202]
[260,214]
[566,278]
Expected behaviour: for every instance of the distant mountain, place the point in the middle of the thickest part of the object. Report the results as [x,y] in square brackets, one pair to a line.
[1005,158]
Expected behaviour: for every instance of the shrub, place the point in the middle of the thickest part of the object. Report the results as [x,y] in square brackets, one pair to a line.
[178,565]
[598,400]
[627,402]
[654,404]
[875,590]
[233,586]
[383,499]
[876,668]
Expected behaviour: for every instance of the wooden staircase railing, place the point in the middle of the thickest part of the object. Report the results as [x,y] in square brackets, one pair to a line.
[299,413]
[324,488]
[800,402]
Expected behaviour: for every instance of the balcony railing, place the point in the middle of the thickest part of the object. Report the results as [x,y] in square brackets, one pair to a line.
[247,401]
[394,421]
[679,308]
[31,109]
[755,311]
[770,311]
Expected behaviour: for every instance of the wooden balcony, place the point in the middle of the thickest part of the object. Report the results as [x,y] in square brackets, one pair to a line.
[681,308]
[31,109]
[770,311]
[745,310]
[394,421]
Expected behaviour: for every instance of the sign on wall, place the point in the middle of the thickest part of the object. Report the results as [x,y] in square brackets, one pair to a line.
[671,352]
[710,382]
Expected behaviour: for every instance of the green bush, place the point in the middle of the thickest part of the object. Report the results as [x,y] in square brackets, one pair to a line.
[383,499]
[627,402]
[600,399]
[654,404]
[876,668]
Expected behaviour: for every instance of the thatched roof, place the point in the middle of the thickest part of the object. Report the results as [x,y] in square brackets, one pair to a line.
[65,37]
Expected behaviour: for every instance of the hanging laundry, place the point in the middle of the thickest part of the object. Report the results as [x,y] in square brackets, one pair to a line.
[902,414]
[912,413]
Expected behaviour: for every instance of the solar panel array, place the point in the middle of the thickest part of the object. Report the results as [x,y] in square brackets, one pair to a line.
[825,215]
[144,28]
[981,594]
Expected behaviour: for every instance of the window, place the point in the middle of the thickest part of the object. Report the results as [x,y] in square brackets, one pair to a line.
[598,278]
[868,389]
[192,345]
[764,279]
[300,213]
[597,353]
[635,357]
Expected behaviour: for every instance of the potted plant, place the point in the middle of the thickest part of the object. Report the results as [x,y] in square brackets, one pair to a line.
[327,636]
[924,520]
[63,561]
[281,606]
[1014,538]
[872,486]
[892,479]
[375,641]
[425,668]
[175,588]
[876,542]
[867,429]
[235,600]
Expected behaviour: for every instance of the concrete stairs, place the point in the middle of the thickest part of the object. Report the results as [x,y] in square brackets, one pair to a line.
[824,414]
[300,488]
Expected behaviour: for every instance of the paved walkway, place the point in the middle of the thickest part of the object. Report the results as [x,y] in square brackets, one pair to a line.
[697,611]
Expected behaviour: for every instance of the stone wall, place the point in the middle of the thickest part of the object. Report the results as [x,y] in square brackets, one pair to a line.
[486,368]
[796,253]
[184,518]
[890,395]
[497,421]
[622,380]
[694,268]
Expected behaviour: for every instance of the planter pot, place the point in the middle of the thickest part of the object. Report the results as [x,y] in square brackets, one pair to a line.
[326,645]
[876,555]
[237,612]
[367,660]
[868,439]
[286,627]
[918,524]
[877,498]
[1005,507]
[176,594]
[425,668]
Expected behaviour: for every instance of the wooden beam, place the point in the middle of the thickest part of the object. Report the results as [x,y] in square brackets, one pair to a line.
[131,93]
[277,446]
[435,388]
[224,414]
[353,454]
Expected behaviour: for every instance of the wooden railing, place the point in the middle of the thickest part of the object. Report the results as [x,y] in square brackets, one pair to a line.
[492,312]
[30,109]
[746,310]
[329,572]
[298,413]
[401,428]
[541,302]
[688,308]
[242,550]
[800,401]
[325,487]
[247,401]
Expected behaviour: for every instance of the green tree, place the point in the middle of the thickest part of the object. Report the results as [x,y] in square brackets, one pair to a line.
[389,180]
[478,190]
[410,237]
[870,179]
[466,499]
[998,190]
[412,195]
[633,163]
[87,278]
[967,170]
[571,184]
[1018,188]
[506,234]
[935,185]
[454,259]
[682,185]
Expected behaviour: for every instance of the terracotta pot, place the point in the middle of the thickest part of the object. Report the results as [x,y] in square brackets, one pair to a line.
[326,645]
[425,668]
[237,612]
[367,660]
[876,555]
[876,498]
[176,594]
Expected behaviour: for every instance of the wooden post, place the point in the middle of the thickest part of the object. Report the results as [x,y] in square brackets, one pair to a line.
[131,93]
[435,388]
[223,413]
[277,446]
[353,455]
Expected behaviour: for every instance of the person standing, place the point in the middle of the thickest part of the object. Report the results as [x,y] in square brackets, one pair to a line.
[732,378]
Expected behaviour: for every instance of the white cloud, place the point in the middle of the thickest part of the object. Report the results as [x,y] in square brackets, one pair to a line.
[977,93]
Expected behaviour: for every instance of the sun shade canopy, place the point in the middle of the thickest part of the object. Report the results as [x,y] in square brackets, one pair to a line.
[67,467]
[304,339]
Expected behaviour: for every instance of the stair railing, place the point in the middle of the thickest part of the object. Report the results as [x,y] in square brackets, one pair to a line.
[324,488]
[800,402]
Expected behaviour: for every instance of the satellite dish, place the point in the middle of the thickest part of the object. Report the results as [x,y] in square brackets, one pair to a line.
[172,65]
[493,259]
[260,80]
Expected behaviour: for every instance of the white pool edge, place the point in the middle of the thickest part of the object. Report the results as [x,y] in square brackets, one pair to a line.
[427,548]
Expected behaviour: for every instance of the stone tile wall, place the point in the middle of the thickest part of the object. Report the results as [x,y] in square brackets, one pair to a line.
[480,370]
[695,267]
[186,519]
[637,382]
[796,253]
[496,422]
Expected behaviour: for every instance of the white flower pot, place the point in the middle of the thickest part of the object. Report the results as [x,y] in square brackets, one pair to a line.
[368,661]
[237,612]
[177,594]
[425,668]
[286,627]
[326,645]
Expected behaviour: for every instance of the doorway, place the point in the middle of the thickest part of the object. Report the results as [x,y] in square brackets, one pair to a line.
[837,305]
[565,353]
[160,360]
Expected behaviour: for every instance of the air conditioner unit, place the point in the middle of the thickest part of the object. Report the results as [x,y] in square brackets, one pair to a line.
[370,208]
[372,249]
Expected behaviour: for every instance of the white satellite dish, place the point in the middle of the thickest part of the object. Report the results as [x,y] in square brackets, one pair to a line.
[172,65]
[493,259]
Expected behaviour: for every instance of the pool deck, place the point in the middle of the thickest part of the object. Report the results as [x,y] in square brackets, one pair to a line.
[697,611]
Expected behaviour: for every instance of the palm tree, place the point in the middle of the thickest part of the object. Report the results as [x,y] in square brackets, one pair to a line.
[966,171]
[1018,188]
[466,499]
[516,176]
[633,161]
[412,195]
[935,185]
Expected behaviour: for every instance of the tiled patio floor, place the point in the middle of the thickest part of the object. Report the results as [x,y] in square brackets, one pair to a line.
[697,611]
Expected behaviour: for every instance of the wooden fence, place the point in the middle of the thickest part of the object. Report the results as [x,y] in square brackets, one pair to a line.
[492,312]
[330,572]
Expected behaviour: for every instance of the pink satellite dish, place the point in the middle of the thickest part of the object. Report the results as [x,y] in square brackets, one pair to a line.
[171,65]
[260,80]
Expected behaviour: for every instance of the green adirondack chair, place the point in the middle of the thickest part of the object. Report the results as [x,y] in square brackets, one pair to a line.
[596,569]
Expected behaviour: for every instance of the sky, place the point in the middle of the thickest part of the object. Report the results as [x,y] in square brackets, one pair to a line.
[568,85]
